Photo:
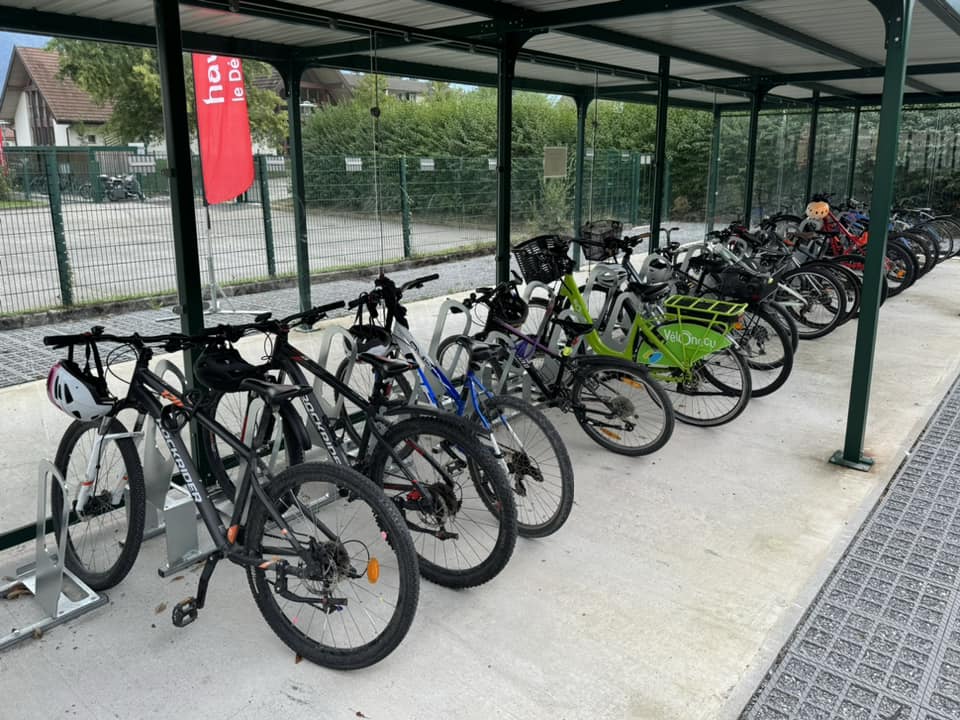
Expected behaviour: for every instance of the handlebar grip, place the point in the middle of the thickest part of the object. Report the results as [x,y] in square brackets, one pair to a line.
[354,303]
[59,341]
[336,305]
[429,278]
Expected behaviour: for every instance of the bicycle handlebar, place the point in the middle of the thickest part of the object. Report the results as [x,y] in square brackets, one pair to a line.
[173,342]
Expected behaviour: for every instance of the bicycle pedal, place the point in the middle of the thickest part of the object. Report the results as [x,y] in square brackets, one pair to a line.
[185,612]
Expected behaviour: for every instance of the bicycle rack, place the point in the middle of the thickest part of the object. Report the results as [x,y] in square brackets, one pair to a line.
[61,594]
[170,509]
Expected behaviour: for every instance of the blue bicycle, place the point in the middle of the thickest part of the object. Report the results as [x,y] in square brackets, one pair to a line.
[519,435]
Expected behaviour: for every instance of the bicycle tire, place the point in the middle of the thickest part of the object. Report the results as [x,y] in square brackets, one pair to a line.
[849,280]
[231,410]
[760,329]
[919,248]
[385,536]
[539,469]
[786,319]
[362,383]
[854,264]
[597,372]
[126,536]
[681,389]
[825,301]
[903,272]
[462,453]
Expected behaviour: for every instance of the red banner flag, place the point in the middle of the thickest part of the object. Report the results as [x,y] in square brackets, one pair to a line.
[226,152]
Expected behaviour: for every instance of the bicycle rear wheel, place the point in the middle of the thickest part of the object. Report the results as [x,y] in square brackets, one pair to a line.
[765,343]
[822,296]
[620,407]
[539,470]
[713,391]
[352,599]
[104,537]
[453,495]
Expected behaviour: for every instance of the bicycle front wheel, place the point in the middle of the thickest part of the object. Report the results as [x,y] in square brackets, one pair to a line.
[104,535]
[454,497]
[620,407]
[538,466]
[349,599]
[765,343]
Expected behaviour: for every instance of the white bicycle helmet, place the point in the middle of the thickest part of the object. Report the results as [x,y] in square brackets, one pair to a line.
[77,392]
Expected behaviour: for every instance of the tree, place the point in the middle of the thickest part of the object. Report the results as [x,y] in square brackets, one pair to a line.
[127,78]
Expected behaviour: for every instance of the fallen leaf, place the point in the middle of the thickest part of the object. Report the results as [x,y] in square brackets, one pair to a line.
[37,633]
[178,577]
[160,608]
[360,714]
[298,659]
[18,590]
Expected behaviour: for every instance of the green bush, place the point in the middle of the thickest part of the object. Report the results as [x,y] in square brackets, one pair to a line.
[6,187]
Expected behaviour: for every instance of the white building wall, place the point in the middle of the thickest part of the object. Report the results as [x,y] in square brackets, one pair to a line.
[75,138]
[60,134]
[21,122]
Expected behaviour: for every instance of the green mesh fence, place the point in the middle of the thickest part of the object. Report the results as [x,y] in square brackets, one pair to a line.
[79,243]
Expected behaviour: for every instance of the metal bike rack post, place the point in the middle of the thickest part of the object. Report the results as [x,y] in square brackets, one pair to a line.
[59,592]
[170,509]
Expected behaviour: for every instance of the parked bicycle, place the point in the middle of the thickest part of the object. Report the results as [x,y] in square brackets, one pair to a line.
[329,560]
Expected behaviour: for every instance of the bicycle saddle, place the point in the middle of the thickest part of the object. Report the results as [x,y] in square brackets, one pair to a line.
[647,291]
[386,365]
[273,393]
[480,351]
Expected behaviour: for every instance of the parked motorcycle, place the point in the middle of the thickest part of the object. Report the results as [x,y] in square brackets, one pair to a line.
[117,187]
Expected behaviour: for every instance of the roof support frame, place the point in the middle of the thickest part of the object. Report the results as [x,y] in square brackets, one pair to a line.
[752,20]
[896,15]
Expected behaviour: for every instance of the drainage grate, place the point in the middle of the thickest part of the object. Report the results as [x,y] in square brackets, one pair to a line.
[882,639]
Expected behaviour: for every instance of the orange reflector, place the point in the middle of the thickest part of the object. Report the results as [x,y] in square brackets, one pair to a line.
[738,325]
[373,570]
[632,383]
[232,533]
[610,433]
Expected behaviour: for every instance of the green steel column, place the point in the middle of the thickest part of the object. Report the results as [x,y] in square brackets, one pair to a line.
[714,171]
[583,105]
[405,207]
[294,71]
[756,102]
[854,143]
[812,143]
[506,65]
[267,215]
[659,150]
[59,236]
[185,247]
[897,14]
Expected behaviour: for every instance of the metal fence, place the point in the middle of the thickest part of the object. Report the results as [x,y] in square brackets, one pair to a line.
[66,242]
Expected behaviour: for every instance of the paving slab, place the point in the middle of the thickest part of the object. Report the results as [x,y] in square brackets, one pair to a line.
[668,594]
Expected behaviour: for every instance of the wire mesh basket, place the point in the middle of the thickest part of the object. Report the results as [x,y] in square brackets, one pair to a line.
[600,239]
[543,258]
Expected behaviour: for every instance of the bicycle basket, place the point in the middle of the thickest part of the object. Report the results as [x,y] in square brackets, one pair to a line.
[716,313]
[543,258]
[749,287]
[602,236]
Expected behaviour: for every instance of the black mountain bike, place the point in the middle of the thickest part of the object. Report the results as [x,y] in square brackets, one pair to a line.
[329,561]
[451,491]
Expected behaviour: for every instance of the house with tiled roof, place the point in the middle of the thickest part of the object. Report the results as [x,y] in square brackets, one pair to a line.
[45,109]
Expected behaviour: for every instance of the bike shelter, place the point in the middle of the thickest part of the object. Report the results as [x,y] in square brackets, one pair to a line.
[544,51]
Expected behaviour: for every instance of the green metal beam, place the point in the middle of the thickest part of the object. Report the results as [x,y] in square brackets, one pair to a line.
[854,147]
[292,75]
[946,13]
[793,36]
[506,17]
[872,71]
[659,152]
[83,28]
[755,105]
[583,106]
[185,246]
[897,15]
[812,145]
[713,174]
[634,42]
[506,64]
